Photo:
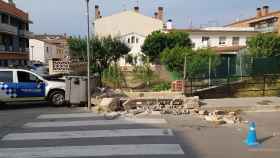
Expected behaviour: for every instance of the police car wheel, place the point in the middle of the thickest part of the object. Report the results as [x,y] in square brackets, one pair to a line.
[57,98]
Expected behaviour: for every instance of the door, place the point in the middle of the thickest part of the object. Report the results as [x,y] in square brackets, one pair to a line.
[29,86]
[7,86]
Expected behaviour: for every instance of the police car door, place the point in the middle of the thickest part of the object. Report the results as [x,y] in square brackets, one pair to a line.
[7,86]
[29,86]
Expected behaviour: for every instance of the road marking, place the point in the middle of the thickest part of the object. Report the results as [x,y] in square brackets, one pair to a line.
[92,151]
[88,134]
[65,116]
[121,121]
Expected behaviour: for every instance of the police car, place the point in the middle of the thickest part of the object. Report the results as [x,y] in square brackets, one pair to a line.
[24,85]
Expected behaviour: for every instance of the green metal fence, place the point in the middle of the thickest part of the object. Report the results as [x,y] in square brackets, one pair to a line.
[242,65]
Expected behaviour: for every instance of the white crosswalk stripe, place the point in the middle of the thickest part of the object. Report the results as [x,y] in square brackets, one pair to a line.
[101,150]
[88,148]
[65,116]
[88,134]
[122,121]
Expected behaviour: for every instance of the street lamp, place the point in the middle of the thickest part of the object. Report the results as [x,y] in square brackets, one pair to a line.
[88,58]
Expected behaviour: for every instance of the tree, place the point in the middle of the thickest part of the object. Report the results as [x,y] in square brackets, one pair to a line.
[197,60]
[103,51]
[145,73]
[77,47]
[264,45]
[158,41]
[174,58]
[198,64]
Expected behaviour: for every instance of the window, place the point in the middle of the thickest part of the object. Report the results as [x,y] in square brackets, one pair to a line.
[27,77]
[6,76]
[204,38]
[206,41]
[5,63]
[222,40]
[128,40]
[235,41]
[5,19]
[137,40]
[132,39]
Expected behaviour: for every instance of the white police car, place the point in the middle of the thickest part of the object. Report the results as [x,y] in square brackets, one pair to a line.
[23,85]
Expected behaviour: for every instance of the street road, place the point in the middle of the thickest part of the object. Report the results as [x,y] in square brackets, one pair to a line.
[40,131]
[47,132]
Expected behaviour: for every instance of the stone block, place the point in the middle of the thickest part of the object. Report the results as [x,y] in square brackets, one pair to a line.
[110,104]
[219,112]
[203,112]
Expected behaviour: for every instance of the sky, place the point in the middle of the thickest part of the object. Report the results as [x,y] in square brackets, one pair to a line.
[69,16]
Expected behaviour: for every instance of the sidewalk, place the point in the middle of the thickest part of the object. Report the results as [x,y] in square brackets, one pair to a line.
[245,104]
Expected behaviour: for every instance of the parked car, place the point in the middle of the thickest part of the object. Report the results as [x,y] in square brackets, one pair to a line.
[24,85]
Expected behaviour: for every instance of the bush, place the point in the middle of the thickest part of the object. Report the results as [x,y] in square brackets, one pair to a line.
[113,76]
[164,86]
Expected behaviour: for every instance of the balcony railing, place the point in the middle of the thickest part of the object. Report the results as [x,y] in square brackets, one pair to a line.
[10,49]
[6,28]
[267,29]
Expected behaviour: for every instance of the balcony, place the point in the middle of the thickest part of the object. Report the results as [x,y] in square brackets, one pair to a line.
[267,29]
[25,33]
[6,28]
[10,55]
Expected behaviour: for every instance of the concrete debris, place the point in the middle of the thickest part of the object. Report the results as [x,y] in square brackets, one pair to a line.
[110,104]
[136,111]
[229,120]
[194,111]
[112,115]
[232,113]
[219,112]
[161,104]
[219,122]
[108,93]
[144,106]
[203,112]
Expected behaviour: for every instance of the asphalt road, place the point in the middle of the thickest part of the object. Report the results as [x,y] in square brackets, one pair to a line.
[33,131]
[29,130]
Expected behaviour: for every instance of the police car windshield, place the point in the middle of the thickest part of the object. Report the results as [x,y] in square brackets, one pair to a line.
[41,71]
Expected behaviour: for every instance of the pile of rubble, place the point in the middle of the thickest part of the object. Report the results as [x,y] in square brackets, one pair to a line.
[220,117]
[175,106]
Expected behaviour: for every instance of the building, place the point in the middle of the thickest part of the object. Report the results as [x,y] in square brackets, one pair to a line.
[224,40]
[14,34]
[48,47]
[130,26]
[264,21]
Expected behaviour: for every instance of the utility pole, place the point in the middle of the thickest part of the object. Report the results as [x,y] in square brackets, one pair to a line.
[185,68]
[32,47]
[88,57]
[209,71]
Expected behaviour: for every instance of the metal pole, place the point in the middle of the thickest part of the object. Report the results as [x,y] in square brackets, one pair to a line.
[185,68]
[88,58]
[32,47]
[209,72]
[228,66]
[241,70]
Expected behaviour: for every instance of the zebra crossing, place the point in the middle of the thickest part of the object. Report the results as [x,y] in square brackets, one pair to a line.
[90,135]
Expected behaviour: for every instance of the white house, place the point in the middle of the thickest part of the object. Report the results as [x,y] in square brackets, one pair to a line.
[42,51]
[130,26]
[134,41]
[225,40]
